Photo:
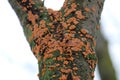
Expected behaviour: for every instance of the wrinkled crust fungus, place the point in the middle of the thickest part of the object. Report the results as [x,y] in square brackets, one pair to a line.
[60,38]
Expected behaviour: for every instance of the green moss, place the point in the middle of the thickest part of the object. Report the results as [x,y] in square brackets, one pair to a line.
[56,53]
[32,44]
[47,75]
[27,32]
[91,57]
[38,3]
[48,61]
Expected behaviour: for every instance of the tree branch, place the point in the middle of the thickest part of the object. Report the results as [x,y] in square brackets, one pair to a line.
[63,41]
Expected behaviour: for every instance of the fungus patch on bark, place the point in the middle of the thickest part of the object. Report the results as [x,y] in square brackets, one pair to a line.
[60,37]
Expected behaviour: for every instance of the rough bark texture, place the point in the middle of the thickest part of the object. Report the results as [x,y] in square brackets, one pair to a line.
[63,41]
[104,62]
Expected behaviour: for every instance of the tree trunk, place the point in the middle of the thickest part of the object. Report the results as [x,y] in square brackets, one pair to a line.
[63,41]
[104,62]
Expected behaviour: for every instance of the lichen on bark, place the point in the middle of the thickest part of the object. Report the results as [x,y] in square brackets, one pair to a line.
[63,41]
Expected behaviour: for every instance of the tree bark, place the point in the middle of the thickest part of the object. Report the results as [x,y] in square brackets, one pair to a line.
[63,41]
